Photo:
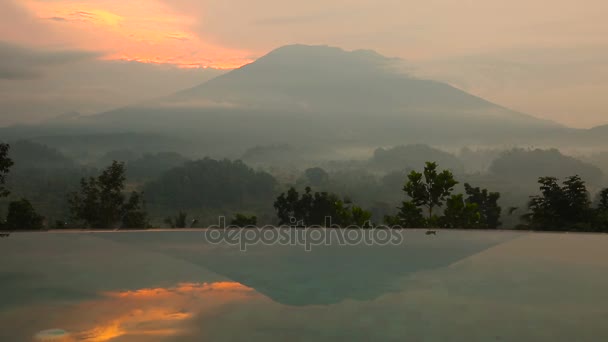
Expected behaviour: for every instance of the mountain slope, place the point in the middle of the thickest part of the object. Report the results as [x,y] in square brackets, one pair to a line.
[318,78]
[324,96]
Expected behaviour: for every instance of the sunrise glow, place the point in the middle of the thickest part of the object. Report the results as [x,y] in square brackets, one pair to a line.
[143,31]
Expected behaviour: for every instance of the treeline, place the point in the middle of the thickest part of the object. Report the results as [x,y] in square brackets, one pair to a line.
[100,203]
[567,207]
[107,201]
[432,190]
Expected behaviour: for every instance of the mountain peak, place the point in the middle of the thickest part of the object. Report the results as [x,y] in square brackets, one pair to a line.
[323,56]
[321,50]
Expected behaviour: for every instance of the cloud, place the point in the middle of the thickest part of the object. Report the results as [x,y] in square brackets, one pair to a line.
[434,35]
[57,19]
[17,62]
[89,86]
[148,31]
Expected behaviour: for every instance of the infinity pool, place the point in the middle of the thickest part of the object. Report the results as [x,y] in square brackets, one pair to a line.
[174,286]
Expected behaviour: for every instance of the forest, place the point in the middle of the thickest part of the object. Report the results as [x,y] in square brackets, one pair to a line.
[411,186]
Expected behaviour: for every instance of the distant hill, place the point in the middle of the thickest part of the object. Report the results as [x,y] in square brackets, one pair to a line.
[28,154]
[414,157]
[527,166]
[319,95]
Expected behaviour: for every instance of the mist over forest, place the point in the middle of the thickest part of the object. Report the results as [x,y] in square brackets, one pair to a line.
[348,124]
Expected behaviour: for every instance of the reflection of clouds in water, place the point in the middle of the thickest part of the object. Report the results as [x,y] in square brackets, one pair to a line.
[540,287]
[53,335]
[148,314]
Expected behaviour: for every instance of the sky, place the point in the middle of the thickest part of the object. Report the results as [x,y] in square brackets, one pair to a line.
[548,58]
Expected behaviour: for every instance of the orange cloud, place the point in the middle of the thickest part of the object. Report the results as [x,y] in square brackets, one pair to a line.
[144,31]
[184,288]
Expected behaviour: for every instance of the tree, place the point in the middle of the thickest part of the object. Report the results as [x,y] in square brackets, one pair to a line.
[431,191]
[360,217]
[178,221]
[101,202]
[241,220]
[325,205]
[134,213]
[460,213]
[21,215]
[601,217]
[289,206]
[409,216]
[487,204]
[5,165]
[565,207]
[576,199]
[313,209]
[603,199]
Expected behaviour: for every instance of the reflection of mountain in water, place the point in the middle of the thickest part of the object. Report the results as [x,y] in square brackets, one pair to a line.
[327,275]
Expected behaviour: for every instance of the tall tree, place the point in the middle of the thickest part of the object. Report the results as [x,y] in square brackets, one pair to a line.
[603,199]
[565,207]
[487,204]
[134,215]
[101,202]
[290,206]
[21,215]
[576,199]
[601,216]
[5,165]
[431,191]
[460,213]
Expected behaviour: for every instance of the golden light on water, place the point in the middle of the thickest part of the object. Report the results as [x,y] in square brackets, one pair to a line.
[143,314]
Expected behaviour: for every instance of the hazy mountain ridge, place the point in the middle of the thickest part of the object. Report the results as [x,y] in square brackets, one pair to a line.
[319,95]
[330,79]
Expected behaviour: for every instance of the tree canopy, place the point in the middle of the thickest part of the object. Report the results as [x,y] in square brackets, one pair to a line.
[22,216]
[313,209]
[487,205]
[433,189]
[101,202]
[210,183]
[5,165]
[430,188]
[566,207]
[242,220]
